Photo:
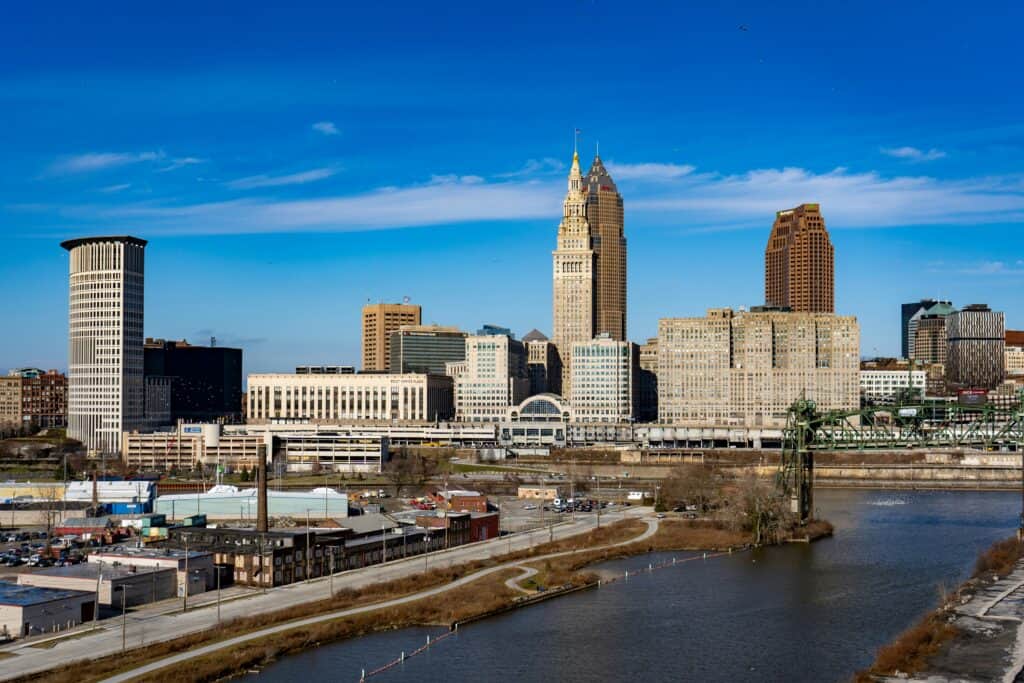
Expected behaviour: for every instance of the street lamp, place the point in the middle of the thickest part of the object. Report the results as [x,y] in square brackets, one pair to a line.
[124,617]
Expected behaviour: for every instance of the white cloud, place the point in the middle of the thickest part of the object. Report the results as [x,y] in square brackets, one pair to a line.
[993,268]
[913,153]
[301,178]
[98,161]
[534,167]
[115,188]
[325,127]
[649,171]
[655,194]
[181,162]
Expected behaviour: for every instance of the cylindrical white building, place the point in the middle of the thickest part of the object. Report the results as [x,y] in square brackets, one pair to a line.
[105,359]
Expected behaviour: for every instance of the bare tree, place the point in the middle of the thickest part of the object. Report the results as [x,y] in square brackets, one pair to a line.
[407,469]
[692,484]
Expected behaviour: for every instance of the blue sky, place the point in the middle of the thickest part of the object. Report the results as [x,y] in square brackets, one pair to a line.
[289,163]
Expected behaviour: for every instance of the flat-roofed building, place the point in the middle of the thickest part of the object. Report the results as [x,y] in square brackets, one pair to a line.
[10,402]
[191,445]
[746,368]
[887,385]
[975,357]
[647,382]
[425,348]
[543,364]
[44,397]
[31,610]
[379,321]
[140,585]
[604,378]
[366,397]
[491,379]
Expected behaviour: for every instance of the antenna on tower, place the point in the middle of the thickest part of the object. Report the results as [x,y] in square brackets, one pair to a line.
[576,141]
[405,299]
[597,148]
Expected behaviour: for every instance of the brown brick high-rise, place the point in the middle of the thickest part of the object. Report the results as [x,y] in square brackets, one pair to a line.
[799,262]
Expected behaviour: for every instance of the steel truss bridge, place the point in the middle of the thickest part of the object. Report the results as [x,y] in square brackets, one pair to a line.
[925,425]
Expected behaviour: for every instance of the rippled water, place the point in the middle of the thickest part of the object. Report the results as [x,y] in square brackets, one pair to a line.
[797,613]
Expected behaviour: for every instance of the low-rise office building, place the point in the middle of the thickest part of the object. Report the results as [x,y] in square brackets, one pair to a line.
[887,385]
[32,610]
[44,397]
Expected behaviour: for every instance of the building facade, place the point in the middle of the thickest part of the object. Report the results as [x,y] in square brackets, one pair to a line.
[882,386]
[105,360]
[1014,353]
[606,218]
[647,382]
[746,369]
[44,397]
[542,364]
[907,312]
[352,398]
[425,348]
[975,354]
[928,336]
[492,378]
[205,381]
[379,321]
[799,262]
[604,380]
[10,402]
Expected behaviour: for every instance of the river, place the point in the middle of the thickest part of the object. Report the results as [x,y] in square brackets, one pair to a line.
[798,613]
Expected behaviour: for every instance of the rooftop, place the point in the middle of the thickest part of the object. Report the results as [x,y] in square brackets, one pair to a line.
[71,244]
[91,571]
[22,596]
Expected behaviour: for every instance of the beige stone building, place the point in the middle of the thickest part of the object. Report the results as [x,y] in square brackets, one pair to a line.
[745,368]
[379,321]
[328,399]
[799,262]
[10,402]
[542,364]
[491,379]
[589,264]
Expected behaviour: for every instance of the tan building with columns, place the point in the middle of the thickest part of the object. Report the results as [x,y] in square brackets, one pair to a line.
[329,399]
[745,369]
[379,321]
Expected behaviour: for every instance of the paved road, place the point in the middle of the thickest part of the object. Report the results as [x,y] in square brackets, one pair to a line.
[146,627]
[652,527]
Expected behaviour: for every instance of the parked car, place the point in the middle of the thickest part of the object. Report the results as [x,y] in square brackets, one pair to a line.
[530,507]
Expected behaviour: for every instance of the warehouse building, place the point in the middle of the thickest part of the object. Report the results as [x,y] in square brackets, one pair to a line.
[30,610]
[140,585]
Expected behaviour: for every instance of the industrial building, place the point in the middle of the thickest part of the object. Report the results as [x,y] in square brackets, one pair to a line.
[189,564]
[32,610]
[225,502]
[131,497]
[140,585]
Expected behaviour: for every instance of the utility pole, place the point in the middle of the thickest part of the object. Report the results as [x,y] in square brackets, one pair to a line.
[218,596]
[598,501]
[308,548]
[383,542]
[99,578]
[124,620]
[333,548]
[426,550]
[184,603]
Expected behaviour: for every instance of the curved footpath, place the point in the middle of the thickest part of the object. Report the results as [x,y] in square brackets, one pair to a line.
[148,626]
[652,528]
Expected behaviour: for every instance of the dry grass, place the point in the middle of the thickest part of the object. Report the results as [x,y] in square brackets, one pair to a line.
[1000,558]
[910,651]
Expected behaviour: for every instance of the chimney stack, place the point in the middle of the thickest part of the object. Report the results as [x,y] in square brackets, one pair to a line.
[261,493]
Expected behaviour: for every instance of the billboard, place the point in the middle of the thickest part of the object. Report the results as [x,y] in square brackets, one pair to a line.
[972,397]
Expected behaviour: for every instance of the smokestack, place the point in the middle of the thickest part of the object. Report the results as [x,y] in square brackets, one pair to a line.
[261,493]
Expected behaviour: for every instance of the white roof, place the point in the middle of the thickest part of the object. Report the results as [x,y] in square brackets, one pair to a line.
[110,491]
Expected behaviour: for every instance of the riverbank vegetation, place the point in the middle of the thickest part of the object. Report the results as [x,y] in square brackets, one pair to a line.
[910,651]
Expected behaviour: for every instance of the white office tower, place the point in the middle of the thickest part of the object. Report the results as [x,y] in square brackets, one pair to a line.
[106,392]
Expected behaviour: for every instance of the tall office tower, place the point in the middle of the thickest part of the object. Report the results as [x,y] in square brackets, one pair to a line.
[746,368]
[605,217]
[105,363]
[799,262]
[975,355]
[425,349]
[379,321]
[907,311]
[574,270]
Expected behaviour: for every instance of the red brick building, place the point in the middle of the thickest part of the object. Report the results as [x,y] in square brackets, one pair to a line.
[484,527]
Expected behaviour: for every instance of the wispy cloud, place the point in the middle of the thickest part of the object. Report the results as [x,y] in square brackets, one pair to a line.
[913,153]
[649,171]
[181,162]
[674,195]
[535,167]
[301,178]
[994,268]
[99,161]
[326,127]
[110,189]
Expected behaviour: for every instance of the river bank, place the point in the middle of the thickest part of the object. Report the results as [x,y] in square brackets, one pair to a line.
[976,634]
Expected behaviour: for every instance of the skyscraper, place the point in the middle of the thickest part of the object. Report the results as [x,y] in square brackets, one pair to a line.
[975,355]
[907,311]
[105,361]
[379,321]
[589,263]
[573,266]
[605,217]
[799,262]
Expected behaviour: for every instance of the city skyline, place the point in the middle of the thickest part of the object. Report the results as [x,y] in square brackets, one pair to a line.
[270,182]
